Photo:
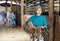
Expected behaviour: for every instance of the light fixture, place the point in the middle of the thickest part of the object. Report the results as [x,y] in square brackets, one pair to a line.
[2,2]
[37,2]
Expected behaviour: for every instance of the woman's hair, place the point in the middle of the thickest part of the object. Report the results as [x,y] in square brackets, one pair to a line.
[37,7]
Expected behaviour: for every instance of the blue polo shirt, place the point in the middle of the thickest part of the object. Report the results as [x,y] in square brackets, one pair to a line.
[38,20]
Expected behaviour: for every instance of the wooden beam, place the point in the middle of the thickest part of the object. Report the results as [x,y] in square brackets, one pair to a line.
[11,4]
[51,17]
[6,6]
[22,12]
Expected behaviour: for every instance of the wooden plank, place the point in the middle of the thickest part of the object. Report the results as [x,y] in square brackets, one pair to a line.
[51,17]
[57,29]
[22,12]
[11,4]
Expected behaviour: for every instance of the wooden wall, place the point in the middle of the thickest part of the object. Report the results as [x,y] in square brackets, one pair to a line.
[57,29]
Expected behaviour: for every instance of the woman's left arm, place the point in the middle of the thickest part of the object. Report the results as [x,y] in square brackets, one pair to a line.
[44,22]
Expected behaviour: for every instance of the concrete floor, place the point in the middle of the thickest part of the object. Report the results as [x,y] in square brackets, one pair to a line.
[10,34]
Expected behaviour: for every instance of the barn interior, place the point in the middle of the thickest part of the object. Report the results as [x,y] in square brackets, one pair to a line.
[24,9]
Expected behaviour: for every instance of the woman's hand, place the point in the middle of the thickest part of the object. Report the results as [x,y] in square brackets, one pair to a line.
[42,27]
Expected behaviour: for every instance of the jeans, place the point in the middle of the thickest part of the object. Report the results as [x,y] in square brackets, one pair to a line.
[13,22]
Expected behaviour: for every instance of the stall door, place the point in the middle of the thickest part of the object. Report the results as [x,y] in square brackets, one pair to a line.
[57,29]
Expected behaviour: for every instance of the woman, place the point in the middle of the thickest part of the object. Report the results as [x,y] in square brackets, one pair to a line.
[37,20]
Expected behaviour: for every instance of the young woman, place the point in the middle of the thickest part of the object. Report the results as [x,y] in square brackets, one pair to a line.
[37,20]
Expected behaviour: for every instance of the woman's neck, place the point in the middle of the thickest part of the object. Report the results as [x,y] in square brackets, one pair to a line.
[37,15]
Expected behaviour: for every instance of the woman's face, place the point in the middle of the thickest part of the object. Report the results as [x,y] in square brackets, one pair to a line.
[39,11]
